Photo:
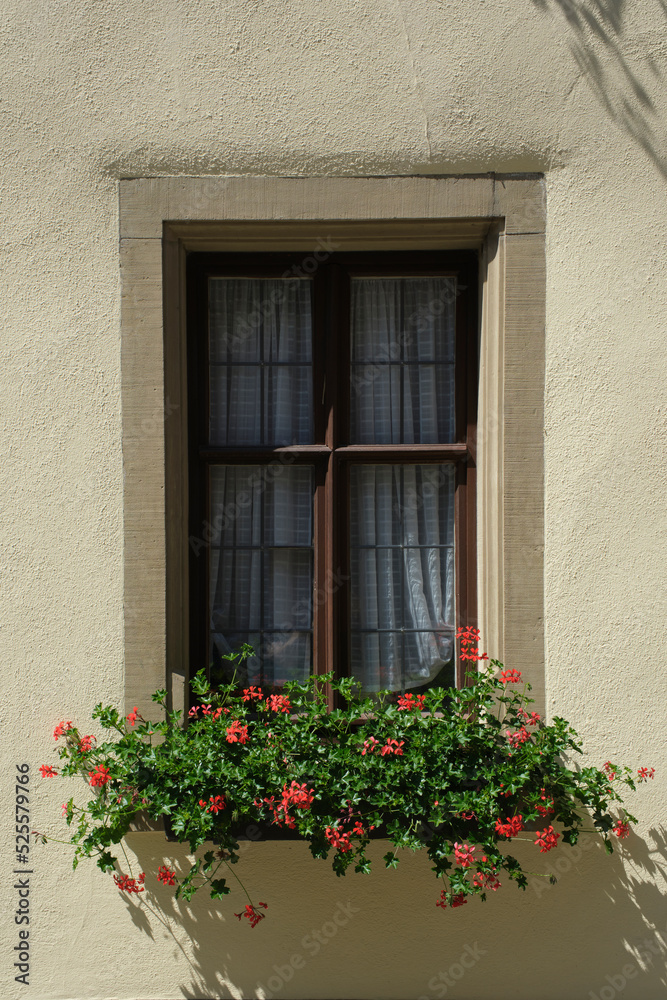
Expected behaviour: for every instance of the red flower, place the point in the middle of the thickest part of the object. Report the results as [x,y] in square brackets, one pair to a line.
[193,711]
[530,720]
[469,639]
[279,703]
[220,711]
[487,880]
[369,745]
[610,771]
[127,884]
[519,737]
[410,702]
[133,716]
[61,729]
[548,806]
[86,744]
[100,777]
[237,732]
[454,901]
[464,854]
[621,829]
[296,795]
[510,677]
[339,839]
[475,656]
[166,876]
[205,709]
[47,771]
[547,839]
[392,746]
[252,692]
[252,914]
[214,805]
[643,773]
[511,827]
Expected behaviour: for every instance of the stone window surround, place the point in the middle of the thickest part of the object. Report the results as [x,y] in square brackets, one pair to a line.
[164,218]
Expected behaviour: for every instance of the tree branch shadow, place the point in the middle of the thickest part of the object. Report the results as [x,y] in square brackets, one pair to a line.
[620,80]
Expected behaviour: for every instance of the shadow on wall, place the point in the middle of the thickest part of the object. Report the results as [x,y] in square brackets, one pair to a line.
[620,76]
[382,935]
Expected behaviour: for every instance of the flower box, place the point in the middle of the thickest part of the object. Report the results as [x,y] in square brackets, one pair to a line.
[458,773]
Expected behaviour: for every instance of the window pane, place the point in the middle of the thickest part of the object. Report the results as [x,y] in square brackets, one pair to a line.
[260,353]
[261,405]
[402,575]
[261,569]
[260,319]
[279,657]
[402,362]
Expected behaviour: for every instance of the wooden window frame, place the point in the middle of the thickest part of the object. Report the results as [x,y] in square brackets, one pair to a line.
[162,219]
[331,455]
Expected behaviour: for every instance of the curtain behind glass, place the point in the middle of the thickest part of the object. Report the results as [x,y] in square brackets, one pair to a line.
[402,574]
[261,569]
[402,360]
[260,354]
[260,385]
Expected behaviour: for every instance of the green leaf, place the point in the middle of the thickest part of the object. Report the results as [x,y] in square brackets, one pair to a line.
[219,888]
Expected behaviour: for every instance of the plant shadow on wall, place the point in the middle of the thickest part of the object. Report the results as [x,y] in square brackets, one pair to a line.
[625,79]
[325,929]
[459,774]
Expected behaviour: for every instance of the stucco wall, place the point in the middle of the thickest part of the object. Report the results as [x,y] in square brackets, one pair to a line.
[94,93]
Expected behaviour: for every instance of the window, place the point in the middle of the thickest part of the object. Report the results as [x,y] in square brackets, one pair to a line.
[331,422]
[166,220]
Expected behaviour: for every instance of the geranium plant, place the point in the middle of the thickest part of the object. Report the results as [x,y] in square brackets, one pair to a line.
[460,773]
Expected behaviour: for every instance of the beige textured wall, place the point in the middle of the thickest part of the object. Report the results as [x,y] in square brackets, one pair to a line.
[95,92]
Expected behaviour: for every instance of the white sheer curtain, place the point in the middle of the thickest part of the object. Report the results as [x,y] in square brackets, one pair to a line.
[260,582]
[403,341]
[402,516]
[402,563]
[260,351]
[260,565]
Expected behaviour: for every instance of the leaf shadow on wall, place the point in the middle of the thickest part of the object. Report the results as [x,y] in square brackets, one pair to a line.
[624,78]
[609,909]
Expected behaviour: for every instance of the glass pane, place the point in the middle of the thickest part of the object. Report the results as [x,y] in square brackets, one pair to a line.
[236,576]
[279,657]
[260,319]
[402,574]
[402,504]
[260,405]
[251,502]
[261,568]
[288,589]
[402,361]
[397,654]
[260,353]
[403,404]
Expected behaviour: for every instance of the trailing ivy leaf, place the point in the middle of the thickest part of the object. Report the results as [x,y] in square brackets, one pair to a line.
[453,779]
[219,888]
